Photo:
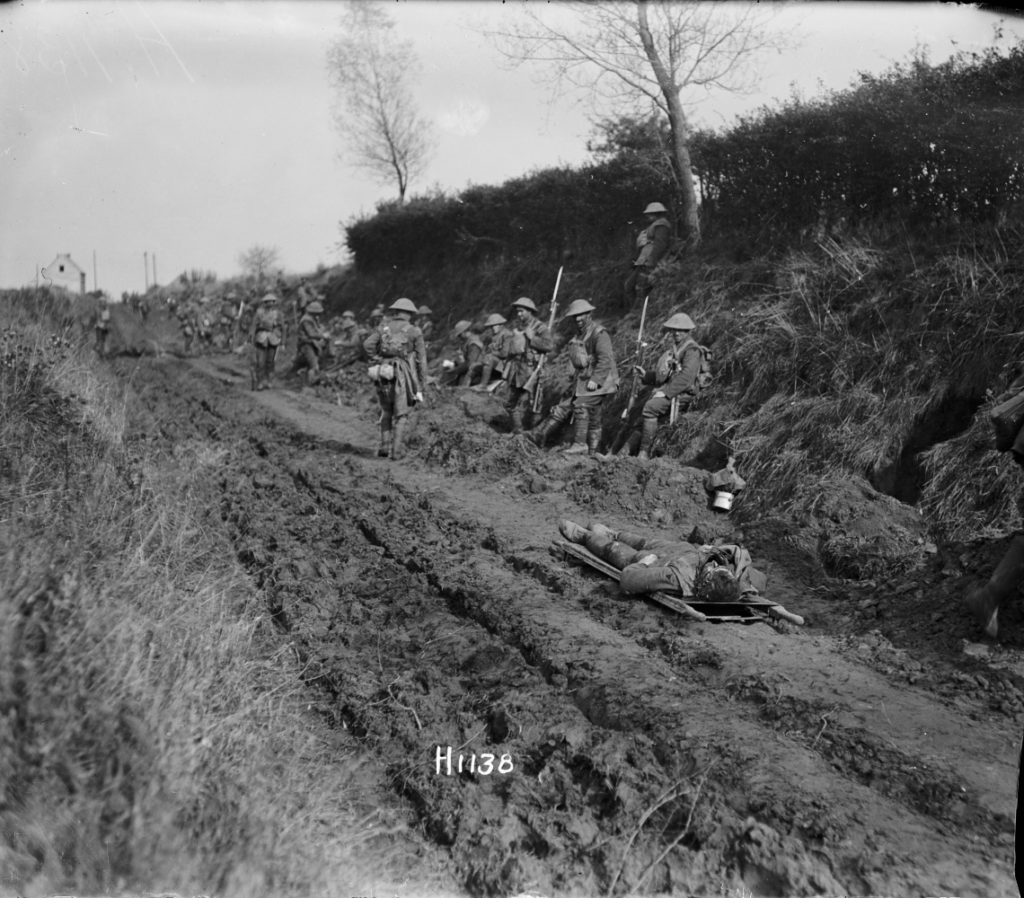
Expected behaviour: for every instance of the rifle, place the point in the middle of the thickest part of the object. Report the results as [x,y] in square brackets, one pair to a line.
[634,387]
[535,377]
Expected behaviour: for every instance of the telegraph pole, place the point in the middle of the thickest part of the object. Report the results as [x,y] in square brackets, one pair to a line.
[95,283]
[154,270]
[145,262]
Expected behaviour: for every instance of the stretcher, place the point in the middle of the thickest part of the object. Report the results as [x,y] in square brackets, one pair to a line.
[746,609]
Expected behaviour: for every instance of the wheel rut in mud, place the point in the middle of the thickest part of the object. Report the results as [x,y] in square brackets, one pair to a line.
[431,616]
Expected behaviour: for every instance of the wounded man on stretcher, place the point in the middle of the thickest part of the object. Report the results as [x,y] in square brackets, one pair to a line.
[648,564]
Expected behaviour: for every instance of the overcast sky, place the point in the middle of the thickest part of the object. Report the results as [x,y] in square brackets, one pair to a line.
[193,130]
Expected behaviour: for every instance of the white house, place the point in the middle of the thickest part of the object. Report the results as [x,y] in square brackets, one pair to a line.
[63,272]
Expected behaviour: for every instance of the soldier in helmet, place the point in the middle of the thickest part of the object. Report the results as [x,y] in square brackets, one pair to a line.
[531,339]
[424,321]
[376,316]
[265,336]
[470,357]
[676,376]
[597,378]
[313,342]
[652,243]
[398,368]
[497,343]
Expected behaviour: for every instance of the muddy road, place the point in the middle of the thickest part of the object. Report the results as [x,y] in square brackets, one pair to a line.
[873,751]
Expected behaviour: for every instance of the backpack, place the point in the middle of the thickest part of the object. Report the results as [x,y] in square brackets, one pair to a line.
[669,361]
[393,343]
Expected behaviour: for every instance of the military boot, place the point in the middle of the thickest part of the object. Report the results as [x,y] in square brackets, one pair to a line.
[398,440]
[485,378]
[984,603]
[647,434]
[594,438]
[631,445]
[579,436]
[384,448]
[539,435]
[516,416]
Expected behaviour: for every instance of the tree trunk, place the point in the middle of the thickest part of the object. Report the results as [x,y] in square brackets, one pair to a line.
[677,128]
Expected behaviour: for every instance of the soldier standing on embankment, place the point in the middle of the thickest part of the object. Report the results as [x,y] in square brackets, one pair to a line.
[266,337]
[597,378]
[652,242]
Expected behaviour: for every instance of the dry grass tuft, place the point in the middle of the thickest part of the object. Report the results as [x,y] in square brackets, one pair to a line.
[154,730]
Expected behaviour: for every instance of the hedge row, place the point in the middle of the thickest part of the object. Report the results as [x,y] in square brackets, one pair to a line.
[928,143]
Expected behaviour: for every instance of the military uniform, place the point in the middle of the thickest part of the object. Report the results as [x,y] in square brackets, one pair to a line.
[398,357]
[650,564]
[529,342]
[266,336]
[312,342]
[102,327]
[596,378]
[680,365]
[497,344]
[652,244]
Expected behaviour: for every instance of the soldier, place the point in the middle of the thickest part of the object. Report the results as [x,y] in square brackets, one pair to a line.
[530,340]
[265,337]
[349,332]
[424,322]
[398,368]
[102,327]
[497,344]
[313,342]
[985,601]
[186,313]
[144,309]
[677,375]
[597,378]
[652,242]
[470,359]
[376,316]
[706,573]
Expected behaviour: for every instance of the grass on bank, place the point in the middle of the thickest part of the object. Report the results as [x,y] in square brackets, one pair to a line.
[154,730]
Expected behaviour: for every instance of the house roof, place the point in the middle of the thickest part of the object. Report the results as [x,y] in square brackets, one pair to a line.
[70,267]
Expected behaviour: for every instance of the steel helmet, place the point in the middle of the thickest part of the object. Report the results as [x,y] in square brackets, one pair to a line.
[652,208]
[494,319]
[679,322]
[404,305]
[348,315]
[315,308]
[378,311]
[578,307]
[461,327]
[269,297]
[424,310]
[524,302]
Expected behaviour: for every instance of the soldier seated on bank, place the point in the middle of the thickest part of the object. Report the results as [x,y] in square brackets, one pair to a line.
[649,564]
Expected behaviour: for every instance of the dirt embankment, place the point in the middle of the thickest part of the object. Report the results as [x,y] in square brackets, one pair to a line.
[860,754]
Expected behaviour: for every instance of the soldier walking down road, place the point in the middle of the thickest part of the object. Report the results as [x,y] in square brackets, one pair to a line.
[497,344]
[102,328]
[652,242]
[266,336]
[597,378]
[677,376]
[530,341]
[314,342]
[398,369]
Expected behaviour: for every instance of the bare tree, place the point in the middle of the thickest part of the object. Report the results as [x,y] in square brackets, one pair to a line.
[258,261]
[371,71]
[619,55]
